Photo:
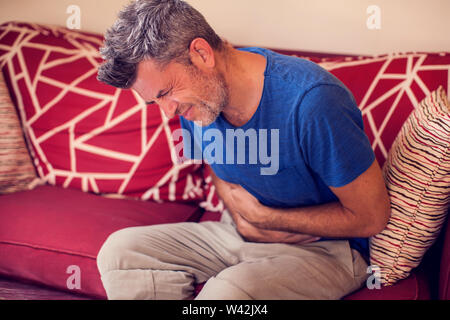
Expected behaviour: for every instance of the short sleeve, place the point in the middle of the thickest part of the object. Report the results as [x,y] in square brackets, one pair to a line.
[331,135]
[192,139]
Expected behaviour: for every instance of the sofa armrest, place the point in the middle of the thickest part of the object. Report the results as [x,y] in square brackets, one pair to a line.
[444,274]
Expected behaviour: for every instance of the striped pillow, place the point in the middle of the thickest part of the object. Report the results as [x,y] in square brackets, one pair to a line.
[417,175]
[16,169]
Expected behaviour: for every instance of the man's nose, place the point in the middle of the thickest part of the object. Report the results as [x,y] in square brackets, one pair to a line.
[169,108]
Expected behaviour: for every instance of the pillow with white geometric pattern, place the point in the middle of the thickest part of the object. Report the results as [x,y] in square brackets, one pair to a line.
[83,134]
[417,175]
[16,169]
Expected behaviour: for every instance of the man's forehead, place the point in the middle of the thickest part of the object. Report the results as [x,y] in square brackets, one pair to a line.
[150,65]
[150,78]
[148,69]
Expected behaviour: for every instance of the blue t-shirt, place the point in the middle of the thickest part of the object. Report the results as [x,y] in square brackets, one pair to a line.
[306,135]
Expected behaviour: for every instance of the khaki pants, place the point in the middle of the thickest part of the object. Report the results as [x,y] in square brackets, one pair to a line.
[166,261]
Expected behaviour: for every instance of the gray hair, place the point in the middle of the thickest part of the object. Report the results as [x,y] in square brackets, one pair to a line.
[158,29]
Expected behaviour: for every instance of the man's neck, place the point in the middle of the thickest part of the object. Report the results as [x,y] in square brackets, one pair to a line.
[244,73]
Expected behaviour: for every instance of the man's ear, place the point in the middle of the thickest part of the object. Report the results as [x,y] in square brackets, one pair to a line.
[202,54]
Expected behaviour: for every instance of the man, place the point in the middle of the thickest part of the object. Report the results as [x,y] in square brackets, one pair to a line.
[297,232]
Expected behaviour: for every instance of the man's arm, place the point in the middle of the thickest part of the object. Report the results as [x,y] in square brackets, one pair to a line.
[363,210]
[246,229]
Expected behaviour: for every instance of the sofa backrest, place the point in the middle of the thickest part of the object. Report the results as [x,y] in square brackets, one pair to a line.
[86,135]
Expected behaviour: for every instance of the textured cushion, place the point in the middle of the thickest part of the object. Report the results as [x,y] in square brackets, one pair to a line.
[45,230]
[86,135]
[16,169]
[417,175]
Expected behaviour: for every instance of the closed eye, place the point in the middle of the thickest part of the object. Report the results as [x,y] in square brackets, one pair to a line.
[161,94]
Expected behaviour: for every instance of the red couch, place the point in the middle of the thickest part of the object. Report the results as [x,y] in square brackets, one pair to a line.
[104,161]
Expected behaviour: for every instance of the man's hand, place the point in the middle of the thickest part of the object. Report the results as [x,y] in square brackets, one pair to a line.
[237,200]
[247,206]
[251,233]
[240,203]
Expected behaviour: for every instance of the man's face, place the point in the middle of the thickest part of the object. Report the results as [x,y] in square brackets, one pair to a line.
[197,95]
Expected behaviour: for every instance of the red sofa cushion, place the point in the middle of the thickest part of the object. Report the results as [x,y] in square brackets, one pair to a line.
[83,134]
[415,287]
[45,230]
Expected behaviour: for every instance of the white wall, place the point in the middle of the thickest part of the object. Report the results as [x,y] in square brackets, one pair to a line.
[316,25]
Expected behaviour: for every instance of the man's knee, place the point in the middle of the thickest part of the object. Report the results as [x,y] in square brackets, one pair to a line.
[137,248]
[114,249]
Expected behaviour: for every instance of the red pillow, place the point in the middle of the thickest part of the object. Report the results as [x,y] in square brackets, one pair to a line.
[46,230]
[212,204]
[387,88]
[83,134]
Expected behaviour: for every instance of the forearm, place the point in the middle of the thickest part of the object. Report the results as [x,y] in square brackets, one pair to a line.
[326,220]
[363,210]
